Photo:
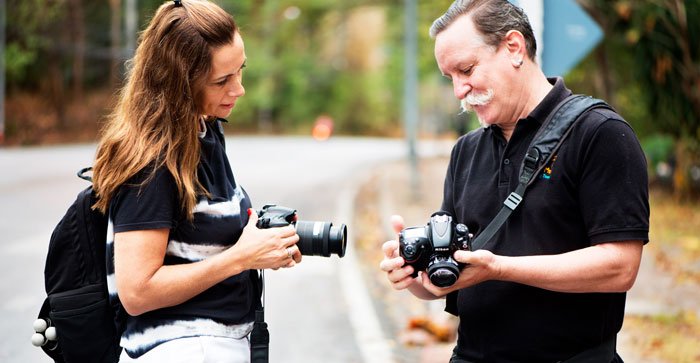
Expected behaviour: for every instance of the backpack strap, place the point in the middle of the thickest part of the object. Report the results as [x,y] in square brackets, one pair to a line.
[82,174]
[546,142]
[259,336]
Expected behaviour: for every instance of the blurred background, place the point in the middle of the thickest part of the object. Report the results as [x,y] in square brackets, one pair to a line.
[361,68]
[345,61]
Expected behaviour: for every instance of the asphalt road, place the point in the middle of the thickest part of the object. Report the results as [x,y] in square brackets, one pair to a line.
[318,311]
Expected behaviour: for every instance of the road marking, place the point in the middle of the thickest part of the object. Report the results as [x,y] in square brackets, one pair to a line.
[375,348]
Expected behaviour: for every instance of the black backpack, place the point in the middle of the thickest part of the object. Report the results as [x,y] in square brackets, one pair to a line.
[77,322]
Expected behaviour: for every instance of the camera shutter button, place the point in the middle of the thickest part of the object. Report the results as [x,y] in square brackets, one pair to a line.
[461,229]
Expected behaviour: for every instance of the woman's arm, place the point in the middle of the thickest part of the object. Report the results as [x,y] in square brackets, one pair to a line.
[145,284]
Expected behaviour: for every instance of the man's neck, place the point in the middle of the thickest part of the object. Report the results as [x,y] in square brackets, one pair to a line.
[535,88]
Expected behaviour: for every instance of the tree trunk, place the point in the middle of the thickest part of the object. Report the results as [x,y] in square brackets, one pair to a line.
[55,91]
[681,182]
[604,75]
[77,26]
[115,37]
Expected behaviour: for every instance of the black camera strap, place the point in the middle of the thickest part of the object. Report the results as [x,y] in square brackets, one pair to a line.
[544,145]
[260,336]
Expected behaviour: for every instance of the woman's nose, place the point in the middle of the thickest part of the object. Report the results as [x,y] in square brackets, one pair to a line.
[237,90]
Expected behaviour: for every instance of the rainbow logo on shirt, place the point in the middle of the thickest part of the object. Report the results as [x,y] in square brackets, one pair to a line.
[547,171]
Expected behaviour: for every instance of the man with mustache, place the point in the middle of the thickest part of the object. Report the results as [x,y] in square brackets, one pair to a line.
[551,285]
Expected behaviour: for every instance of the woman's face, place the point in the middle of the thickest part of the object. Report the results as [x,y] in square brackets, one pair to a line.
[224,84]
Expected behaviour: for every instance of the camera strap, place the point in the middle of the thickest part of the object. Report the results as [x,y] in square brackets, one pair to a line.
[259,336]
[544,145]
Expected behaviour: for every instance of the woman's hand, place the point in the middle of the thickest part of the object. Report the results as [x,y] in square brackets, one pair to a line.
[267,248]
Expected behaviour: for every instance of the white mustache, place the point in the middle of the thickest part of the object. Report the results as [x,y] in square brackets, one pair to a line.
[475,99]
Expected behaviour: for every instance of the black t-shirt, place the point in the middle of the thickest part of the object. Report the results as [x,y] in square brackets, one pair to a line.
[594,191]
[226,309]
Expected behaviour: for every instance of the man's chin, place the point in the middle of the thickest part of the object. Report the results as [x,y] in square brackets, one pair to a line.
[482,123]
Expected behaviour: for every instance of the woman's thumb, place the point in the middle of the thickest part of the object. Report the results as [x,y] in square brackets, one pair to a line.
[252,217]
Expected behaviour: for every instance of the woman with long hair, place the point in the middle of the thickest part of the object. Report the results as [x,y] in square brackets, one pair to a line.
[182,240]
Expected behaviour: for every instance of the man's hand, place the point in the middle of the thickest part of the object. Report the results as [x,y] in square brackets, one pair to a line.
[393,264]
[397,272]
[480,266]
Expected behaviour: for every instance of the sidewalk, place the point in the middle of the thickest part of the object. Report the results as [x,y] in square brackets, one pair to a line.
[389,192]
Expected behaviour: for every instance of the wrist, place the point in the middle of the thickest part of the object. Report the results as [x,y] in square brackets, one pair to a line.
[231,262]
[498,268]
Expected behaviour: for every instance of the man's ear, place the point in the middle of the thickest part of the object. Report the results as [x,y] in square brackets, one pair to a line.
[516,46]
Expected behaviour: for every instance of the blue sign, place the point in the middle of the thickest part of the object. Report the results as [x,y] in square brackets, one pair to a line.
[569,34]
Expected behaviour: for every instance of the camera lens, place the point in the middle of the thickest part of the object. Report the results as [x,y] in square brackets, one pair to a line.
[321,238]
[443,271]
[443,277]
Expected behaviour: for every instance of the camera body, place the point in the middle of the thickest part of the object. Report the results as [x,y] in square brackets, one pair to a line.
[430,248]
[315,238]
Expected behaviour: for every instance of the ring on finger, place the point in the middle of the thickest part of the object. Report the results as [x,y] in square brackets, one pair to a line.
[289,252]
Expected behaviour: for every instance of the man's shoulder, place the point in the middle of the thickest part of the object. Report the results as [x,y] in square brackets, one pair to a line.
[598,117]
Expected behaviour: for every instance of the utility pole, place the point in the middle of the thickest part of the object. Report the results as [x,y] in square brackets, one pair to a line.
[130,27]
[3,11]
[410,94]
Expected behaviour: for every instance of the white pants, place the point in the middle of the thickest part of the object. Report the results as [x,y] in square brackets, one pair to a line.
[204,349]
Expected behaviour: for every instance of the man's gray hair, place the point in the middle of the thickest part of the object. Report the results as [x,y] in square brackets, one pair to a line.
[492,18]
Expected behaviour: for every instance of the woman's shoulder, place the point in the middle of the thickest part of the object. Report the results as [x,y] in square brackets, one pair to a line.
[151,175]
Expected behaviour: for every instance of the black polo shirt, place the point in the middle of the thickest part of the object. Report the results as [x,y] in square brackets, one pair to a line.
[594,191]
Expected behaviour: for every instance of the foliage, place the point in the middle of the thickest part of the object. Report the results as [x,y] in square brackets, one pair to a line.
[28,29]
[655,70]
[345,59]
[306,58]
[658,148]
[665,35]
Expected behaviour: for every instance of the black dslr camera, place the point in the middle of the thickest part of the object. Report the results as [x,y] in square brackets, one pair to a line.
[429,248]
[315,238]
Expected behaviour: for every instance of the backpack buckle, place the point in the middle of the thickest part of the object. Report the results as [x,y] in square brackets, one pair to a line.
[530,162]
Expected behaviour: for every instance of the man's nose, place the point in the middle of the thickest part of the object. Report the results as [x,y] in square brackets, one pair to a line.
[461,89]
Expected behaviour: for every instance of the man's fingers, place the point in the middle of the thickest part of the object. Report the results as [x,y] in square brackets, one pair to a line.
[462,256]
[397,223]
[391,248]
[404,283]
[388,265]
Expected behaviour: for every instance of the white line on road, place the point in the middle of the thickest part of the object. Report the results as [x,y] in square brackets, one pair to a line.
[375,348]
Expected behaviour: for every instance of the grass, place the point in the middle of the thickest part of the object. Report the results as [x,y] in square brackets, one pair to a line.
[669,338]
[675,236]
[675,245]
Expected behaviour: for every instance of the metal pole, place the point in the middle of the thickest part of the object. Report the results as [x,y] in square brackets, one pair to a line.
[410,100]
[3,10]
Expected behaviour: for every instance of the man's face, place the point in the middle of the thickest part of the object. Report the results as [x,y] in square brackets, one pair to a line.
[479,73]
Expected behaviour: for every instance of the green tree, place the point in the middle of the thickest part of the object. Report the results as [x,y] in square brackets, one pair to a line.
[663,36]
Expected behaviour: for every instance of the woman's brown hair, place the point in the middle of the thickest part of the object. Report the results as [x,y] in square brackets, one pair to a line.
[156,119]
